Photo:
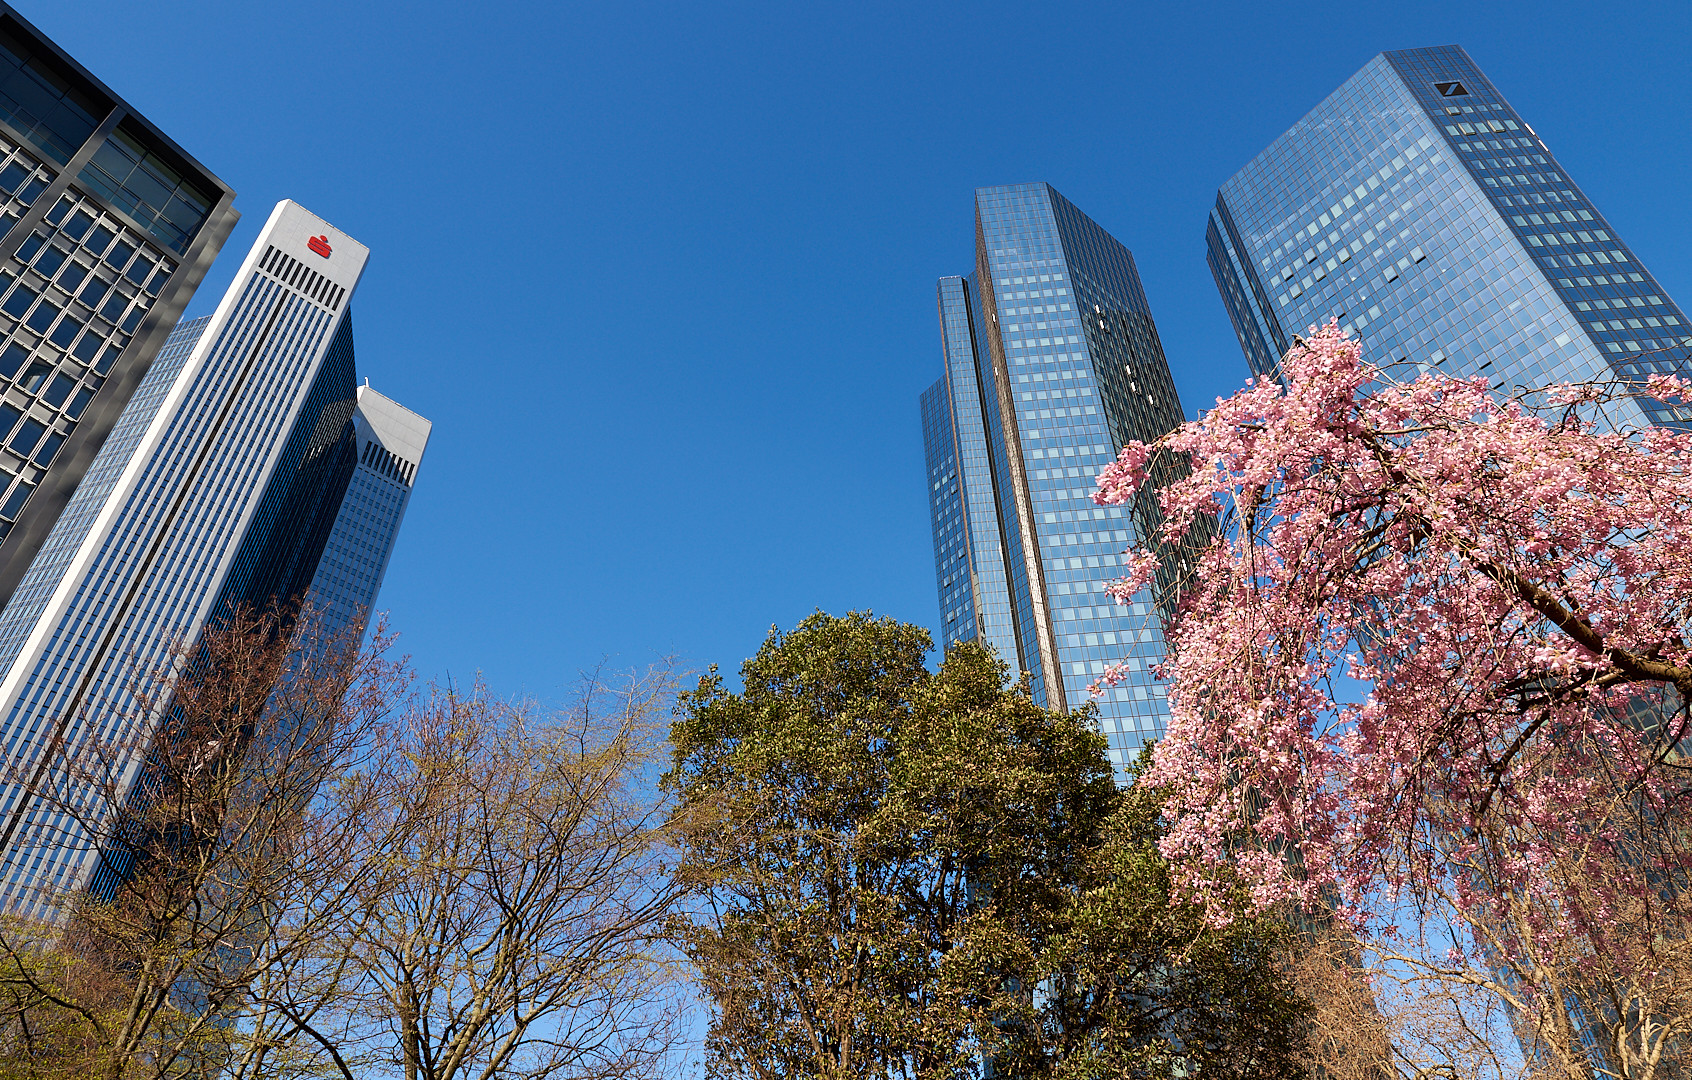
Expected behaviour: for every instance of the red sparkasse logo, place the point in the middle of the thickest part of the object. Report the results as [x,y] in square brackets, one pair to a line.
[320,245]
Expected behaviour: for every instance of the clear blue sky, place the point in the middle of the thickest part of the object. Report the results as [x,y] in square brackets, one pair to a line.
[663,275]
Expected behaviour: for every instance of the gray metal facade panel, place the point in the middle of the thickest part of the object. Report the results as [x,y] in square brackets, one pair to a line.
[51,482]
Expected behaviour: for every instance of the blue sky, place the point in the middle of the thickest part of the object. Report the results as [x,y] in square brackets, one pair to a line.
[663,275]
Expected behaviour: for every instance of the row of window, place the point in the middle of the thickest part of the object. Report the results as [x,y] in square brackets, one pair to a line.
[1034,294]
[1527,161]
[1557,217]
[1482,127]
[1481,146]
[85,285]
[1054,394]
[1601,280]
[1031,280]
[1344,210]
[1345,252]
[22,180]
[1636,324]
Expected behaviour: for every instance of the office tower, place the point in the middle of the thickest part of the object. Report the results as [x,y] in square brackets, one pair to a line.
[1052,363]
[106,229]
[221,485]
[391,440]
[1417,207]
[1424,213]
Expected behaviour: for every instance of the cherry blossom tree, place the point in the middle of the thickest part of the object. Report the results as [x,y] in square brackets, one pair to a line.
[1439,662]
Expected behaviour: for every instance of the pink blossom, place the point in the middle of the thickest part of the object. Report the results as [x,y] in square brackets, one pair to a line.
[1428,621]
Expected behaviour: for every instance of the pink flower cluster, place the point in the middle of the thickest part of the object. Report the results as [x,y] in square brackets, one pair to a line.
[1438,615]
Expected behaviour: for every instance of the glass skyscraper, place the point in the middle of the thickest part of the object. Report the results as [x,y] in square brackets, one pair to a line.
[1417,207]
[249,468]
[1052,363]
[106,229]
[391,440]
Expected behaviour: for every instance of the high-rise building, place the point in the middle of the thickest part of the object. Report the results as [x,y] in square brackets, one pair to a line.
[391,440]
[1052,363]
[247,453]
[106,229]
[1417,207]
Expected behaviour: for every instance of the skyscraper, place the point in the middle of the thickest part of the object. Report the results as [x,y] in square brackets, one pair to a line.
[391,440]
[1052,363]
[247,451]
[106,229]
[1417,207]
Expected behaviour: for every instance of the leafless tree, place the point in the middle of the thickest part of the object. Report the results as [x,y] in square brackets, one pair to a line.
[316,872]
[511,930]
[194,819]
[1372,1019]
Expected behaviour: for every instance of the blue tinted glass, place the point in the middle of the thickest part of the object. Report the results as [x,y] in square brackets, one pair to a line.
[20,495]
[54,117]
[51,259]
[72,277]
[79,402]
[1441,231]
[114,307]
[58,390]
[87,347]
[120,253]
[49,448]
[93,291]
[98,240]
[29,247]
[32,191]
[143,186]
[77,226]
[106,359]
[18,302]
[28,435]
[1013,522]
[65,332]
[11,176]
[12,359]
[57,214]
[42,317]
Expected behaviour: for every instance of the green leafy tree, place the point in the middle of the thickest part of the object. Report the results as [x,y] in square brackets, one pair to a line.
[905,872]
[1139,985]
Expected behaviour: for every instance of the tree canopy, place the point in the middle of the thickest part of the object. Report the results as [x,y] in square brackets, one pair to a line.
[908,872]
[1441,657]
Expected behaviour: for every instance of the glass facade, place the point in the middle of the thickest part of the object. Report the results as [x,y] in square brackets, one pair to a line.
[131,177]
[52,112]
[1052,362]
[1417,207]
[106,227]
[391,440]
[244,472]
